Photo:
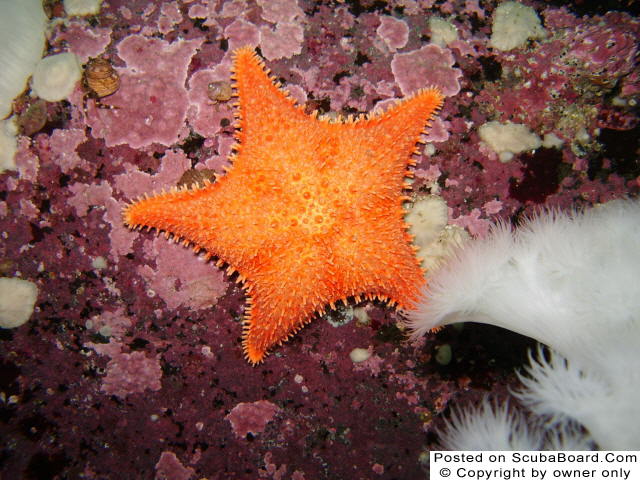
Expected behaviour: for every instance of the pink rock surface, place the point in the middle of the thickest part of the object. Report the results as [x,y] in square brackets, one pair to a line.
[251,418]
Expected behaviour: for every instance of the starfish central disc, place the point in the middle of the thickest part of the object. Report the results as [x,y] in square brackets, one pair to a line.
[311,211]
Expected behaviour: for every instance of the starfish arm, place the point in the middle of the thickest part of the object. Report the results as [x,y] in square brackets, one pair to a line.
[382,259]
[185,213]
[289,283]
[275,316]
[398,129]
[261,100]
[263,330]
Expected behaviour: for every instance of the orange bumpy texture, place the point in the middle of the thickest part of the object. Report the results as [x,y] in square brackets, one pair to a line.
[311,211]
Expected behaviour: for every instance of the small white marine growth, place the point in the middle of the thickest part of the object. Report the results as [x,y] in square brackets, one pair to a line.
[56,76]
[514,24]
[442,31]
[81,8]
[427,218]
[17,300]
[508,139]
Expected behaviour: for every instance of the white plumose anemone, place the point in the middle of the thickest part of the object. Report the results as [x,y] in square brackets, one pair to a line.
[569,280]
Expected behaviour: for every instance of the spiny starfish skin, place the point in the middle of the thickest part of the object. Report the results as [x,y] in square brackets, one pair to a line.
[310,213]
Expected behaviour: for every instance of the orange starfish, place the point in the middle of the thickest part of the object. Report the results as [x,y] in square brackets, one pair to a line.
[311,211]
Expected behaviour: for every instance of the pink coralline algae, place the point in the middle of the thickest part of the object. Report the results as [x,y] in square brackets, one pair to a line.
[196,287]
[84,196]
[151,104]
[169,18]
[426,67]
[60,148]
[492,207]
[27,161]
[438,131]
[271,469]
[129,373]
[169,467]
[85,43]
[394,32]
[285,38]
[472,7]
[272,44]
[206,116]
[109,324]
[280,10]
[473,223]
[134,182]
[231,9]
[240,33]
[251,418]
